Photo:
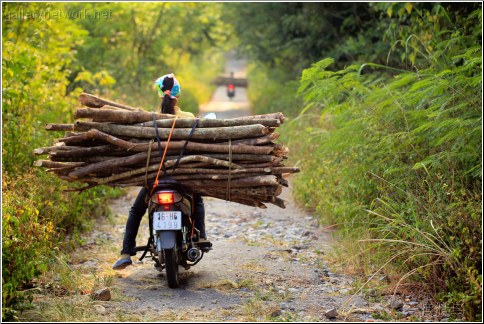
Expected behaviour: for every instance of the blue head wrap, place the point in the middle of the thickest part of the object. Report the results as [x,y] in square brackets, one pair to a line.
[175,91]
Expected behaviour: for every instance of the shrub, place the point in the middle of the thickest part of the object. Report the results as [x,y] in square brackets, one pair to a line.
[405,149]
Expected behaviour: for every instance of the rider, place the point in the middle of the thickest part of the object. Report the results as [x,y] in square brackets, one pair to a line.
[231,86]
[169,90]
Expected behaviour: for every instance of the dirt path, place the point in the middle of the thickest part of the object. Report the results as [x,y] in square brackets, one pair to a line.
[265,264]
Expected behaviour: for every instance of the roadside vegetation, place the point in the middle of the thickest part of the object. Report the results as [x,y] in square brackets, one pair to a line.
[386,126]
[51,53]
[384,107]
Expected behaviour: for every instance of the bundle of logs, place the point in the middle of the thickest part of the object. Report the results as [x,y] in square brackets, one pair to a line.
[117,145]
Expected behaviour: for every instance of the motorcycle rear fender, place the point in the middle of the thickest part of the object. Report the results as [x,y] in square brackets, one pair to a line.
[167,239]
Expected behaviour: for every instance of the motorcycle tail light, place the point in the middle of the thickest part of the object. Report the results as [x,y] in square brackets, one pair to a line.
[165,198]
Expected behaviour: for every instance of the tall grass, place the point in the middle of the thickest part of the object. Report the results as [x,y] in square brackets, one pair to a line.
[393,159]
[406,150]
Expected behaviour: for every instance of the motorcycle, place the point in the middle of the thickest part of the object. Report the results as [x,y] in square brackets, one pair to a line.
[230,91]
[174,238]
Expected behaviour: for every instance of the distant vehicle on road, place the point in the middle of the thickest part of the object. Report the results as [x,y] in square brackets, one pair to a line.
[231,87]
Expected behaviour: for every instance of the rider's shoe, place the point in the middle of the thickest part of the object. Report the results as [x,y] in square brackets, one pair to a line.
[123,262]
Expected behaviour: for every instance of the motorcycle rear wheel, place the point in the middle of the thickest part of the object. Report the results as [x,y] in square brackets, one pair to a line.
[171,268]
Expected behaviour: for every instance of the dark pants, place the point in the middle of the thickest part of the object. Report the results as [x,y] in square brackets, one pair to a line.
[138,209]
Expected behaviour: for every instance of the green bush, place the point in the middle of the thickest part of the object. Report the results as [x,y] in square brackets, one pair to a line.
[405,149]
[47,61]
[36,216]
[35,211]
[393,157]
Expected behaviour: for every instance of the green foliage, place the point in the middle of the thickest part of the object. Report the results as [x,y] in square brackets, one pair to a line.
[269,91]
[36,214]
[34,83]
[407,150]
[51,53]
[391,155]
[291,36]
[139,42]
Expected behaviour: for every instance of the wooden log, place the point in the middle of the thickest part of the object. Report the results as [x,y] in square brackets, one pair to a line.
[214,133]
[250,191]
[69,133]
[47,150]
[245,157]
[168,164]
[87,159]
[206,123]
[175,145]
[201,158]
[81,138]
[88,151]
[277,201]
[234,197]
[277,115]
[248,202]
[267,139]
[52,164]
[59,127]
[280,150]
[265,180]
[124,161]
[93,101]
[273,170]
[120,116]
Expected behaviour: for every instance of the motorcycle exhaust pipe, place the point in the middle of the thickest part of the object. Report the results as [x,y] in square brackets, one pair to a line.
[193,254]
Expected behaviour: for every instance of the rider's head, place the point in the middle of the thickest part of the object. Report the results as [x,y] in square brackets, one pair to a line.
[168,89]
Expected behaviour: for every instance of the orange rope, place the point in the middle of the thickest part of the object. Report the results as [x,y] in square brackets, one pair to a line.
[155,184]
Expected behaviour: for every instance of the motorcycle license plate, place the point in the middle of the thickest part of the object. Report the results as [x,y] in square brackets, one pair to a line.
[169,220]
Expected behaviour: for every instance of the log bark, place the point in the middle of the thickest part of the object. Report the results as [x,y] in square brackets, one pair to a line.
[58,147]
[52,164]
[207,123]
[125,161]
[266,180]
[93,101]
[277,115]
[214,133]
[87,159]
[251,191]
[246,157]
[267,139]
[248,202]
[88,151]
[121,117]
[59,127]
[175,145]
